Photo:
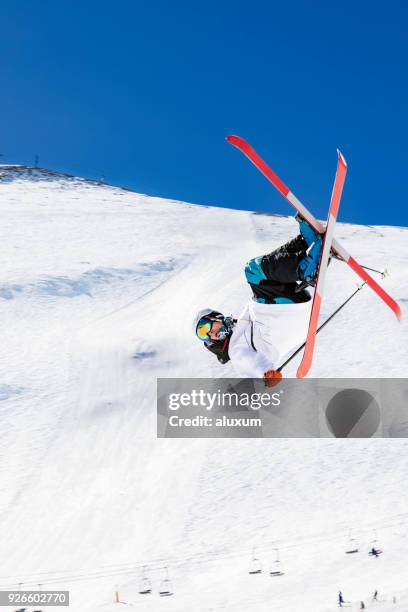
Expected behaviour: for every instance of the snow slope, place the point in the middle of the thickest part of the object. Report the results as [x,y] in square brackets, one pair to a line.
[99,286]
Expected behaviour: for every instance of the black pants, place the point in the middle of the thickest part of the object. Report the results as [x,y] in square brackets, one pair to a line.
[274,275]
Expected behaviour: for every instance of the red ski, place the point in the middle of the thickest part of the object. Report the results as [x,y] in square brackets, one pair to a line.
[307,359]
[341,252]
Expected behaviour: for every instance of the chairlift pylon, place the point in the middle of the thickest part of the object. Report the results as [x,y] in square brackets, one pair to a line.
[276,569]
[165,587]
[255,566]
[145,585]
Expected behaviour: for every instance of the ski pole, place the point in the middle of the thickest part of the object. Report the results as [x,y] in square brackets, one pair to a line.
[383,273]
[321,326]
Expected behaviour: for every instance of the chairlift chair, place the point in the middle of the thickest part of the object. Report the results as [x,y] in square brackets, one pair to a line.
[145,585]
[276,569]
[255,566]
[165,587]
[352,546]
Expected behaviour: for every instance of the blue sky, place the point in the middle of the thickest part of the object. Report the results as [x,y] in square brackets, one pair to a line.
[147,92]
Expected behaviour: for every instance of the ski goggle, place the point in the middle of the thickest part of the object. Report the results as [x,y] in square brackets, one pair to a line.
[204,327]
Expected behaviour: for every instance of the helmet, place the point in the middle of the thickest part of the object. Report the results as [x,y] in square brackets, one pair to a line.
[204,321]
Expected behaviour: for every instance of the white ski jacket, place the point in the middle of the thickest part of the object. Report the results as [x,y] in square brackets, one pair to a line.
[265,334]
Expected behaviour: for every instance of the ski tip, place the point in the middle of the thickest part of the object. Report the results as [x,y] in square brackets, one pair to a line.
[342,158]
[398,313]
[232,139]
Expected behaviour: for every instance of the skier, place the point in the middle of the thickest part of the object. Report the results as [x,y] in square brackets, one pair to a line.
[362,605]
[375,596]
[275,320]
[375,552]
[341,600]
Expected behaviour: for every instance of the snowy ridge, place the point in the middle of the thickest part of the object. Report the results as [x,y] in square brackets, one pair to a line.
[12,173]
[99,286]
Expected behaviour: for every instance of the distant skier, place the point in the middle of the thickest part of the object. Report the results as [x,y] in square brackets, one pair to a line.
[375,596]
[362,605]
[375,552]
[275,321]
[341,600]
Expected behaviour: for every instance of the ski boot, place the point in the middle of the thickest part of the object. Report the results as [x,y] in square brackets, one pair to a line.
[309,234]
[307,267]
